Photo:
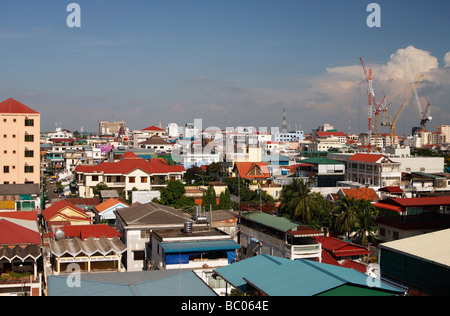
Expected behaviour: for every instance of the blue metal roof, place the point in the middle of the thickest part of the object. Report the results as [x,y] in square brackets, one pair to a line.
[194,246]
[138,283]
[283,277]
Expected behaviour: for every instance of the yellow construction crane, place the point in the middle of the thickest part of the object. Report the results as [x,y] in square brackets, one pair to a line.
[391,123]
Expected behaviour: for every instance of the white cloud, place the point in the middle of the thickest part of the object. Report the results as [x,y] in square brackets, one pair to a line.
[447,59]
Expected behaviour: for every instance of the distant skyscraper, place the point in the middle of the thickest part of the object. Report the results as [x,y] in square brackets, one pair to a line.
[284,128]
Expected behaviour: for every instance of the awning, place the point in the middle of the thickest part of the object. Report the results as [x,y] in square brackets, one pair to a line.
[388,207]
[195,246]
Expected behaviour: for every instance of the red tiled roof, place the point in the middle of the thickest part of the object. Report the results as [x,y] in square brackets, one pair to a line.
[422,201]
[325,134]
[53,210]
[388,207]
[29,215]
[354,265]
[361,194]
[391,189]
[95,231]
[366,157]
[14,234]
[131,162]
[305,231]
[62,140]
[153,128]
[340,248]
[13,106]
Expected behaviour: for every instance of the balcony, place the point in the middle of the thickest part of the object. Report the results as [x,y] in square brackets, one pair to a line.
[115,184]
[303,251]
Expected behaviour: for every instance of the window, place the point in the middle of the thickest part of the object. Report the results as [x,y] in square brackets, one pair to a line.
[29,122]
[29,153]
[29,169]
[5,169]
[395,235]
[138,255]
[143,179]
[29,138]
[132,179]
[94,178]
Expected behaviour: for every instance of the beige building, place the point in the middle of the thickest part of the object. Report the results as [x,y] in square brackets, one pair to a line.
[445,130]
[19,143]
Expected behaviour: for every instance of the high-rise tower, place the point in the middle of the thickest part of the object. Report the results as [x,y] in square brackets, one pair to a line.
[284,128]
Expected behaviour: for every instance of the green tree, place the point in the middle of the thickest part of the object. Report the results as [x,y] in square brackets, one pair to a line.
[209,199]
[321,216]
[345,209]
[173,195]
[365,222]
[225,200]
[296,201]
[99,187]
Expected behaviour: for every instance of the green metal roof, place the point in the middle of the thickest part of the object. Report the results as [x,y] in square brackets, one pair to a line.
[428,175]
[194,246]
[321,161]
[283,277]
[279,223]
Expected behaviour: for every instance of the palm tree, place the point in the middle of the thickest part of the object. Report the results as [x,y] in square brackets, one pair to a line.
[297,201]
[345,208]
[365,222]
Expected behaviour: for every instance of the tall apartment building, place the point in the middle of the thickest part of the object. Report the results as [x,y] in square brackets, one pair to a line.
[443,129]
[19,143]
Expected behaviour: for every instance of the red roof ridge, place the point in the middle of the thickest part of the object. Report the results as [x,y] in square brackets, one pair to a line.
[153,128]
[13,106]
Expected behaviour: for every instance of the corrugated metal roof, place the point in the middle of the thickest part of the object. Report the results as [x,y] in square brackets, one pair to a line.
[138,283]
[431,246]
[210,245]
[279,223]
[283,277]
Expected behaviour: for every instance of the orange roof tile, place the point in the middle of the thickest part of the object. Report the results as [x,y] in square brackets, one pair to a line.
[361,194]
[153,128]
[252,170]
[108,204]
[366,157]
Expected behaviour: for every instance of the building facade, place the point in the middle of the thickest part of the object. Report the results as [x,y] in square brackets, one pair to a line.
[19,142]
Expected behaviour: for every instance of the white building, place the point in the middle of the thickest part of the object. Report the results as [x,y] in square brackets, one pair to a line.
[289,137]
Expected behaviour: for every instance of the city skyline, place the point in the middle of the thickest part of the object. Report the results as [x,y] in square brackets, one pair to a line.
[228,63]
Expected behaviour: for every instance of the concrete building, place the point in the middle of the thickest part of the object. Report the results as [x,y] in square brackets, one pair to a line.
[136,224]
[262,233]
[112,128]
[373,170]
[444,129]
[19,143]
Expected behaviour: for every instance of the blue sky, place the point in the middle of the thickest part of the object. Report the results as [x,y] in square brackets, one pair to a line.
[229,62]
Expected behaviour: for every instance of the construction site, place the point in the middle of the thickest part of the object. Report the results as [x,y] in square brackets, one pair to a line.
[374,142]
